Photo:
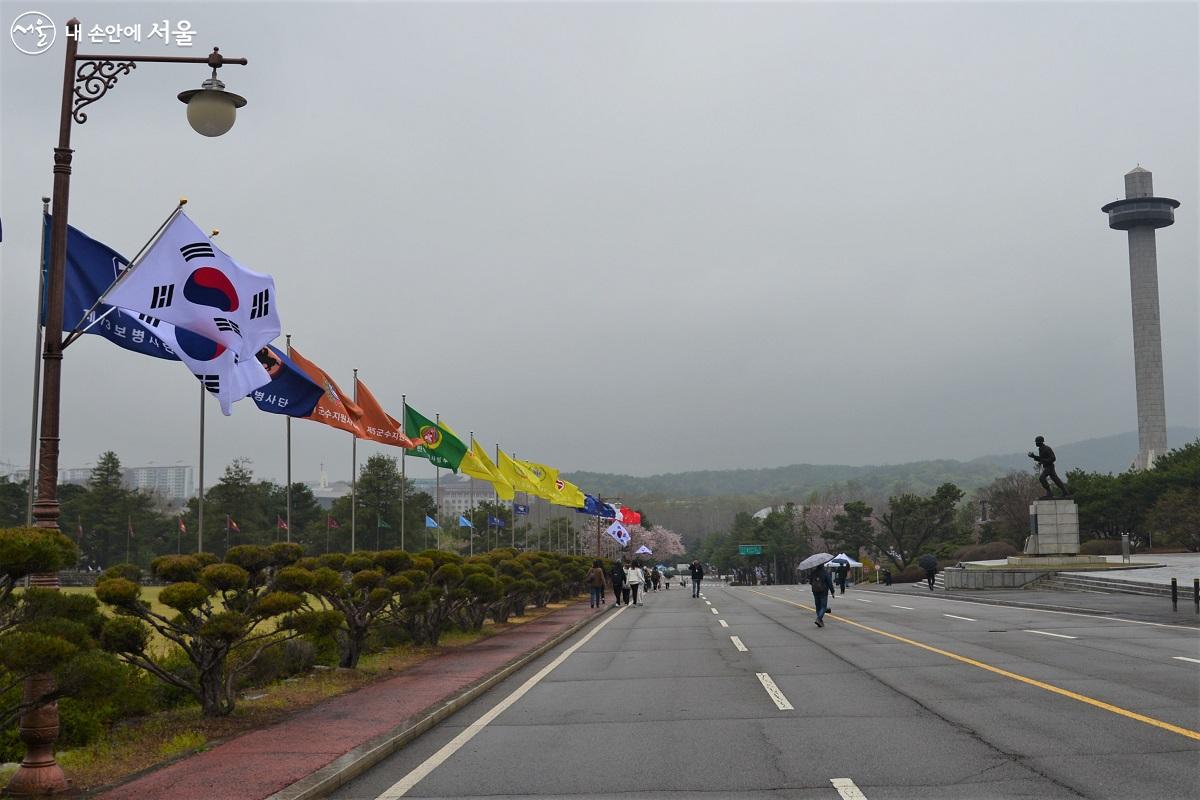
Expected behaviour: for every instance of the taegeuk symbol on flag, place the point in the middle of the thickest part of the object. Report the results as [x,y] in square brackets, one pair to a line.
[186,280]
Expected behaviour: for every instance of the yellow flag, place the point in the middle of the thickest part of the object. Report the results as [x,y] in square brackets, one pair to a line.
[567,494]
[515,474]
[544,476]
[477,464]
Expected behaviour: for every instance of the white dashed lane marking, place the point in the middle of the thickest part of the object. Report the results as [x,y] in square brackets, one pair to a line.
[1055,635]
[738,644]
[906,608]
[861,600]
[713,610]
[956,616]
[1185,658]
[781,701]
[724,624]
[846,788]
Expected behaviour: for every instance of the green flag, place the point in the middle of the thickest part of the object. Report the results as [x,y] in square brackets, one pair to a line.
[438,442]
[380,522]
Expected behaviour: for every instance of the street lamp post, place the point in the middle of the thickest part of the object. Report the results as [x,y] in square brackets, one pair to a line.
[211,112]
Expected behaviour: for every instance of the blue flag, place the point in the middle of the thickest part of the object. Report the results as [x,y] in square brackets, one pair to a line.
[518,508]
[290,391]
[90,269]
[429,523]
[463,522]
[496,521]
[591,506]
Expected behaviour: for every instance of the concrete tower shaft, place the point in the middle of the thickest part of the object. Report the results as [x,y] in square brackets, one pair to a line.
[1140,214]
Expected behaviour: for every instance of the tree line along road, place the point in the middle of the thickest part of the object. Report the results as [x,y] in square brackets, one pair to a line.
[738,695]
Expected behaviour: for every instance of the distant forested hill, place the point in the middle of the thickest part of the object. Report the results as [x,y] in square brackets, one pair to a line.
[695,503]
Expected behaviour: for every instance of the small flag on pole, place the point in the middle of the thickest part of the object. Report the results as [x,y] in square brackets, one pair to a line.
[463,522]
[280,523]
[520,508]
[644,550]
[495,521]
[429,522]
[380,522]
[233,526]
[330,522]
[182,527]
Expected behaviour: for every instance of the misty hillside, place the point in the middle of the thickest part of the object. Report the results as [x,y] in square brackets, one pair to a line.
[1106,454]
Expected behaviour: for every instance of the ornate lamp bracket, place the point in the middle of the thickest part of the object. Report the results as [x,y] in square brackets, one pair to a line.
[93,79]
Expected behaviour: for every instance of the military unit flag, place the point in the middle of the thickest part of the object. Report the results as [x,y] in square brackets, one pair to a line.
[435,440]
[334,408]
[377,425]
[477,465]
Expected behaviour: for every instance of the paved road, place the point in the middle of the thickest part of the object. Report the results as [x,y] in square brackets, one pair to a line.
[897,697]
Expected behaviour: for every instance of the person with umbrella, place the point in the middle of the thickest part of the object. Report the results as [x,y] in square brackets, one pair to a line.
[928,563]
[620,587]
[820,582]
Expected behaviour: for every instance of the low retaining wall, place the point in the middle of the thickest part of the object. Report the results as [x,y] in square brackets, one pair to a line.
[961,578]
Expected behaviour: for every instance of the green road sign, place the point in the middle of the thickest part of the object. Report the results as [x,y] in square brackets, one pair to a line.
[750,549]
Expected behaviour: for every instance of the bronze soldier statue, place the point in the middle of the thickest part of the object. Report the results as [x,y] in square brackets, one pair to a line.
[1045,459]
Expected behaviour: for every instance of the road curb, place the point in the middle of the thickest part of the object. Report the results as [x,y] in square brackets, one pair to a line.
[990,601]
[350,765]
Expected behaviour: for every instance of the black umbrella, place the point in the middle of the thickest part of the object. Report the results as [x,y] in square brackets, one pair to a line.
[927,561]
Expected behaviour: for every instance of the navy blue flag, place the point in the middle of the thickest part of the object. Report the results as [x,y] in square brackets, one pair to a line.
[495,521]
[91,268]
[607,511]
[520,509]
[591,506]
[290,391]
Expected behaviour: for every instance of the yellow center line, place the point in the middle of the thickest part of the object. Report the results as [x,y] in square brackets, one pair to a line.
[1091,701]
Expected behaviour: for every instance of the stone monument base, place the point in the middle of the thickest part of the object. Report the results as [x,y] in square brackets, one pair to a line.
[1053,528]
[1056,562]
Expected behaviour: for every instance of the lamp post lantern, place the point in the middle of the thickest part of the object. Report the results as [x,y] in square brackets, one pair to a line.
[211,112]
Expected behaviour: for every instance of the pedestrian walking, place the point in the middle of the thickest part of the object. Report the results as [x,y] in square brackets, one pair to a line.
[843,570]
[697,572]
[635,576]
[620,588]
[595,582]
[930,574]
[821,584]
[655,578]
[928,562]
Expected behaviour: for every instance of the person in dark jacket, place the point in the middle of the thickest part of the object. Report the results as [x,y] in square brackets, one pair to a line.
[617,573]
[930,574]
[697,572]
[843,571]
[821,584]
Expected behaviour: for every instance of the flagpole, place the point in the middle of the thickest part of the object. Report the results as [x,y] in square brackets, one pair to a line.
[471,531]
[289,456]
[327,533]
[437,503]
[128,536]
[37,369]
[403,476]
[512,534]
[227,531]
[353,473]
[514,501]
[200,502]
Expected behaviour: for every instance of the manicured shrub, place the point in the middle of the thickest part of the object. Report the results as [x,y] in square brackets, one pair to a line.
[1100,547]
[988,551]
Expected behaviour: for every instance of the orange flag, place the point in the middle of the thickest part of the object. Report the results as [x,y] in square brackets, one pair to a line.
[377,424]
[334,408]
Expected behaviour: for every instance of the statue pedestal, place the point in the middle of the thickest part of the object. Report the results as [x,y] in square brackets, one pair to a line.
[1053,528]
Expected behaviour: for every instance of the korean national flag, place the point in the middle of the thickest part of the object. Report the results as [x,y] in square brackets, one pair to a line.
[187,281]
[224,373]
[618,532]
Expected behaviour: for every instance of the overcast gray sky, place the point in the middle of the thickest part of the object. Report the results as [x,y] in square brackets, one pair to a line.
[639,237]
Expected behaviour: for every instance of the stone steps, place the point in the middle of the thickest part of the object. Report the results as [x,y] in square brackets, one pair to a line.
[1105,585]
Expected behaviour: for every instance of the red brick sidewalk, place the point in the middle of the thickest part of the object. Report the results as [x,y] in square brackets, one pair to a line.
[257,764]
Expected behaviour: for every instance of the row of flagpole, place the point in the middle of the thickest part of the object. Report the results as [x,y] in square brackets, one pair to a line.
[554,537]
